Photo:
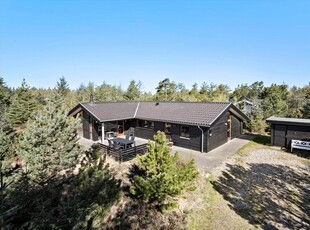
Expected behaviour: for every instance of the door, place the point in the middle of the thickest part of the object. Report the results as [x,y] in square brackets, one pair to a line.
[120,128]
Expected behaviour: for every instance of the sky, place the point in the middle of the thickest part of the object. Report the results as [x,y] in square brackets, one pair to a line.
[221,42]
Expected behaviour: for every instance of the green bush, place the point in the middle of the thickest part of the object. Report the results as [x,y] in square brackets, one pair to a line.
[161,176]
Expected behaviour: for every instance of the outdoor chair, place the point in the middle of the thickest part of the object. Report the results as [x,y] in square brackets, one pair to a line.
[132,138]
[110,143]
[127,136]
[118,146]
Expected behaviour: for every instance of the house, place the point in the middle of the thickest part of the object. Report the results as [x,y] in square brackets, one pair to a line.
[283,130]
[197,126]
[245,106]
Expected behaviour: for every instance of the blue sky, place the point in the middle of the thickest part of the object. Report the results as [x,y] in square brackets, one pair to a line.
[229,42]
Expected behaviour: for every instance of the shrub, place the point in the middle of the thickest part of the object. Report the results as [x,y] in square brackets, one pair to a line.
[161,175]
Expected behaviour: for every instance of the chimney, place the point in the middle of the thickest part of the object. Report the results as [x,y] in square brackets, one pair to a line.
[91,99]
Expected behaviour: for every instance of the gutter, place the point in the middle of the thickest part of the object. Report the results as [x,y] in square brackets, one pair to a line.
[202,137]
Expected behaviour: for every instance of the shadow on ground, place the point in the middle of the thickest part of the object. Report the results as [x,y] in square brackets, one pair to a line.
[268,195]
[300,153]
[262,139]
[139,215]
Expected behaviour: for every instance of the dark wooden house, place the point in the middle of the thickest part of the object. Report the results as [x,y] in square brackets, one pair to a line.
[283,130]
[197,126]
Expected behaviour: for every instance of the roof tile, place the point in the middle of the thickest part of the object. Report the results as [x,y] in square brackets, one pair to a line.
[192,113]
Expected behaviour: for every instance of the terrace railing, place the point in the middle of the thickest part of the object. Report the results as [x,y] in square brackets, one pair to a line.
[122,155]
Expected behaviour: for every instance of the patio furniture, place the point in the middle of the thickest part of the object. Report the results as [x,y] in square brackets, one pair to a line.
[110,134]
[110,143]
[127,136]
[123,142]
[132,138]
[117,145]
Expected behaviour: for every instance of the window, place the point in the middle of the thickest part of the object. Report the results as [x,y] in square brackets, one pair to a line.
[146,124]
[184,131]
[167,128]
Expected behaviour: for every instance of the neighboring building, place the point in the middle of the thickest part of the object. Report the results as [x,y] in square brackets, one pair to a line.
[283,130]
[245,106]
[197,126]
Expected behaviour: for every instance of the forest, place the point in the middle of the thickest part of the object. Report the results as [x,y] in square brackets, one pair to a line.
[276,100]
[39,150]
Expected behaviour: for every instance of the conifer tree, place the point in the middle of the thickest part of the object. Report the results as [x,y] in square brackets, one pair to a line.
[257,122]
[48,144]
[23,104]
[133,91]
[6,157]
[306,110]
[4,95]
[62,87]
[162,176]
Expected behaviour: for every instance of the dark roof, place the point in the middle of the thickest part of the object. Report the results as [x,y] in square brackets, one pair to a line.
[288,121]
[181,112]
[107,111]
[190,113]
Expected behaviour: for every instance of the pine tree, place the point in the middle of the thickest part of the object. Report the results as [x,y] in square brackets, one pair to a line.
[257,120]
[23,104]
[306,110]
[162,176]
[91,194]
[48,144]
[4,94]
[6,157]
[62,87]
[133,91]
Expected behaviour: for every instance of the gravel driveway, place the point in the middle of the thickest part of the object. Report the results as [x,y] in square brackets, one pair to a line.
[270,188]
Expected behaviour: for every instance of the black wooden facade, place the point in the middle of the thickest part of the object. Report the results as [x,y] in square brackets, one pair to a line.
[228,124]
[213,137]
[90,127]
[283,130]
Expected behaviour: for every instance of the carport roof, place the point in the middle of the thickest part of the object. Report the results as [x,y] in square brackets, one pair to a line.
[288,121]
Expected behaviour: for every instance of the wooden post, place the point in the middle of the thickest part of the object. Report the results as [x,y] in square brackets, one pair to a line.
[230,126]
[120,156]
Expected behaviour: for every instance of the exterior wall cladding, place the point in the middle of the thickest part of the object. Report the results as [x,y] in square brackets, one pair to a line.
[86,125]
[236,127]
[282,134]
[214,136]
[87,122]
[218,132]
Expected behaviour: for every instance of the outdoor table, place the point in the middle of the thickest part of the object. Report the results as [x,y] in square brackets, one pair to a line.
[123,141]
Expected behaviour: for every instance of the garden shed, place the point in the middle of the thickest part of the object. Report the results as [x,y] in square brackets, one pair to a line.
[283,130]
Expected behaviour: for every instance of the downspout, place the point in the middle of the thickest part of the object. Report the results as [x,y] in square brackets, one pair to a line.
[202,137]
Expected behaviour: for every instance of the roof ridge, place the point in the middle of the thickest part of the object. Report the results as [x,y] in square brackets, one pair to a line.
[136,110]
[178,102]
[189,102]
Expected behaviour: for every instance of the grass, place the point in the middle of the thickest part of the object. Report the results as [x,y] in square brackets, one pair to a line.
[213,212]
[259,142]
